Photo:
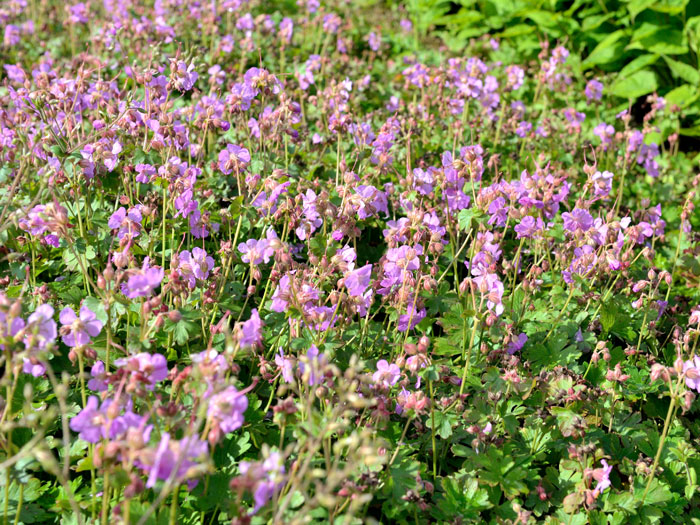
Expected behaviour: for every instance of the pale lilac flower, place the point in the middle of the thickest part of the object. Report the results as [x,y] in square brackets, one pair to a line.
[89,422]
[578,219]
[77,331]
[528,227]
[226,408]
[602,476]
[606,133]
[195,265]
[98,383]
[594,90]
[266,477]
[691,370]
[78,13]
[145,173]
[357,281]
[34,367]
[310,366]
[183,76]
[41,328]
[143,282]
[255,252]
[602,183]
[173,459]
[517,344]
[148,368]
[233,159]
[387,374]
[249,333]
[285,366]
[127,223]
[374,41]
[523,129]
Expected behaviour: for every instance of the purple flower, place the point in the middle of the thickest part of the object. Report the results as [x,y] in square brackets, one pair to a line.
[285,366]
[77,331]
[147,368]
[411,318]
[33,367]
[602,183]
[387,374]
[517,344]
[310,366]
[606,133]
[128,223]
[528,227]
[577,220]
[144,282]
[498,211]
[78,13]
[516,77]
[233,158]
[98,383]
[265,477]
[226,408]
[182,76]
[374,41]
[602,476]
[195,265]
[145,172]
[691,370]
[173,459]
[255,251]
[249,333]
[89,422]
[523,129]
[311,220]
[594,90]
[41,328]
[286,30]
[357,281]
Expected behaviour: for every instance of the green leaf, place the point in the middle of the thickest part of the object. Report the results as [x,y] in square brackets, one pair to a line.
[683,96]
[670,7]
[402,475]
[460,498]
[638,64]
[638,84]
[683,70]
[607,51]
[607,316]
[637,6]
[217,491]
[660,39]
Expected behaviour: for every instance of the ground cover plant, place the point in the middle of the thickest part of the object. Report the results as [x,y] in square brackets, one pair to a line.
[280,263]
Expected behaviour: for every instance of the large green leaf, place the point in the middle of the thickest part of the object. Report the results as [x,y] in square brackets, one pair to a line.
[670,7]
[682,96]
[659,39]
[638,64]
[637,6]
[638,84]
[683,70]
[609,50]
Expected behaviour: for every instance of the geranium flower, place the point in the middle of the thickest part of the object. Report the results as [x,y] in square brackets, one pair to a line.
[77,331]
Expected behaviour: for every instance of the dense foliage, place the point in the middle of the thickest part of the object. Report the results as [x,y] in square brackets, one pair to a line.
[273,263]
[651,45]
